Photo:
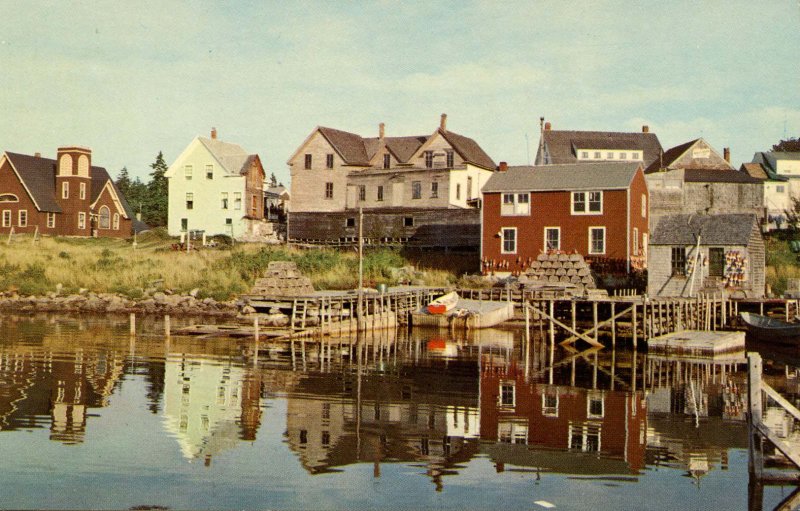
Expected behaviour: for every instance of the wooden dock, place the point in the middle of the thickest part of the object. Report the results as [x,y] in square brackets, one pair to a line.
[697,343]
[467,314]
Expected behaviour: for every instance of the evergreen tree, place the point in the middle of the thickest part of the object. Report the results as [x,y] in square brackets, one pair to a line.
[123,182]
[273,181]
[155,202]
[790,145]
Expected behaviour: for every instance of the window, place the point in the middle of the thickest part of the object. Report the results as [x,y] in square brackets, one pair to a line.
[229,222]
[65,190]
[610,155]
[416,190]
[585,155]
[512,431]
[308,161]
[329,161]
[51,220]
[434,190]
[450,159]
[210,171]
[184,224]
[587,203]
[190,200]
[634,156]
[458,191]
[253,205]
[8,197]
[81,220]
[82,190]
[105,217]
[644,205]
[362,193]
[380,193]
[350,222]
[509,236]
[779,189]
[223,200]
[303,436]
[644,245]
[678,261]
[635,241]
[584,437]
[329,190]
[187,172]
[408,221]
[22,217]
[387,161]
[550,404]
[326,438]
[237,200]
[6,218]
[594,406]
[469,188]
[428,159]
[716,262]
[597,155]
[515,204]
[115,224]
[597,240]
[623,156]
[507,394]
[552,238]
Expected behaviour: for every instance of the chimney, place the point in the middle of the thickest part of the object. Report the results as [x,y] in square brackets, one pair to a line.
[726,153]
[645,129]
[381,130]
[37,154]
[213,133]
[548,126]
[443,123]
[503,166]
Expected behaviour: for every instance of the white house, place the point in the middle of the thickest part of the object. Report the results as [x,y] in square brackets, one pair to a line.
[781,174]
[216,187]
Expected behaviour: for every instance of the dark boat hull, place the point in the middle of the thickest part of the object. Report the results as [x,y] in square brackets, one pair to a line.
[765,328]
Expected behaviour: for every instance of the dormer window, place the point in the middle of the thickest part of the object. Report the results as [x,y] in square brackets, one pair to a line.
[610,155]
[584,155]
[429,159]
[597,155]
[634,156]
[623,156]
[450,159]
[387,161]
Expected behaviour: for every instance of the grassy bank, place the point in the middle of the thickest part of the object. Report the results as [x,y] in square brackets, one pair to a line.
[782,263]
[108,265]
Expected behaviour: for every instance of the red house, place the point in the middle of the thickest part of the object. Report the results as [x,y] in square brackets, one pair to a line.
[63,197]
[598,210]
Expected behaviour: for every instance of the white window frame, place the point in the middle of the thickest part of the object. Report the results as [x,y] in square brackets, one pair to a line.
[636,241]
[635,156]
[513,386]
[583,432]
[602,229]
[209,171]
[503,231]
[595,396]
[22,218]
[82,187]
[515,204]
[81,220]
[644,205]
[104,222]
[587,195]
[189,200]
[237,200]
[65,190]
[556,229]
[550,411]
[223,200]
[51,220]
[598,155]
[6,218]
[115,222]
[188,170]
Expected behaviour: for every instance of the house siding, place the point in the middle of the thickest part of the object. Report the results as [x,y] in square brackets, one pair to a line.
[125,224]
[9,183]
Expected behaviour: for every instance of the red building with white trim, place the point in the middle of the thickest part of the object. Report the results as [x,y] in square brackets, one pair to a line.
[598,210]
[63,197]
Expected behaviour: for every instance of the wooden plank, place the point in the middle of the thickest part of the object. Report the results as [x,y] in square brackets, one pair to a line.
[786,405]
[779,443]
[593,331]
[568,329]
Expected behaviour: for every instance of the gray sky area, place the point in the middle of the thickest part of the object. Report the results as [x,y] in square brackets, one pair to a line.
[129,79]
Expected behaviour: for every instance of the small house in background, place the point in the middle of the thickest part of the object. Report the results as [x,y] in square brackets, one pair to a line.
[782,182]
[693,254]
[216,187]
[67,196]
[598,210]
[693,178]
[276,203]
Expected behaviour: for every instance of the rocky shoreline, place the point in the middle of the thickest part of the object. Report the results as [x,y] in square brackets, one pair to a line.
[86,301]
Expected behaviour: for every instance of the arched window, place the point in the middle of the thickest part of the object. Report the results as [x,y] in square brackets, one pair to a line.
[116,221]
[65,165]
[105,217]
[8,197]
[83,165]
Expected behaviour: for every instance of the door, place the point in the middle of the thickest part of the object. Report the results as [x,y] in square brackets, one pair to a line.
[716,262]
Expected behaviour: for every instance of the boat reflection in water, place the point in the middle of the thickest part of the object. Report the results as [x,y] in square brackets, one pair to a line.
[443,407]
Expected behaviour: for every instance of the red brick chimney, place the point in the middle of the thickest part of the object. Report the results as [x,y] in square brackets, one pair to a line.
[213,133]
[443,123]
[381,130]
[548,126]
[503,166]
[726,153]
[645,129]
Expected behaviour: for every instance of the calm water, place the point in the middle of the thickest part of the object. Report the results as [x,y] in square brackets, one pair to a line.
[90,418]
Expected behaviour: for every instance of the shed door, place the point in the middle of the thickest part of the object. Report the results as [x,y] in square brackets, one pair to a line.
[716,262]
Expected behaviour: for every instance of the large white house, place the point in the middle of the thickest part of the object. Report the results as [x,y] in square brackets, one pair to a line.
[215,187]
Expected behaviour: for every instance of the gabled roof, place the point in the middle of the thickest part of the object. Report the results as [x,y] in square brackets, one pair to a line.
[574,177]
[99,179]
[718,176]
[769,161]
[754,170]
[722,229]
[403,148]
[349,145]
[671,156]
[234,160]
[469,150]
[561,145]
[38,176]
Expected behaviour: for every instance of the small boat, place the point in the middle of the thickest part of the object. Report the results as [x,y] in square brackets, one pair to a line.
[443,304]
[442,348]
[770,329]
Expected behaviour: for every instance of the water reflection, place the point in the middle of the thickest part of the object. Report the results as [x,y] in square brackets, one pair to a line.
[437,403]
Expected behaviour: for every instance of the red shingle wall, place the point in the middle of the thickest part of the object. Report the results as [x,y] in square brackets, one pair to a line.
[9,183]
[124,230]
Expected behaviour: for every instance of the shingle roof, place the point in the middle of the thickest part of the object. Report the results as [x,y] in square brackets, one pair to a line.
[39,177]
[234,160]
[469,150]
[669,157]
[754,170]
[574,176]
[403,148]
[99,178]
[717,176]
[723,229]
[349,145]
[560,144]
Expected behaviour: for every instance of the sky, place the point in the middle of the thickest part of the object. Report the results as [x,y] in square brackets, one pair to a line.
[130,79]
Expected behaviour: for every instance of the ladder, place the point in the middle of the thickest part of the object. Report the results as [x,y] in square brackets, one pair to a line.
[299,310]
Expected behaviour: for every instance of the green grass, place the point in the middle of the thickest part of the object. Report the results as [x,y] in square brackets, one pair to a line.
[782,264]
[111,265]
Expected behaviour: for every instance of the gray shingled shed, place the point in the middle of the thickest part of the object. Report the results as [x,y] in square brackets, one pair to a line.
[692,254]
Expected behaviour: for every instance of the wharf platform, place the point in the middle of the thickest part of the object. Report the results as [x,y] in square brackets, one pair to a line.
[697,343]
[466,314]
